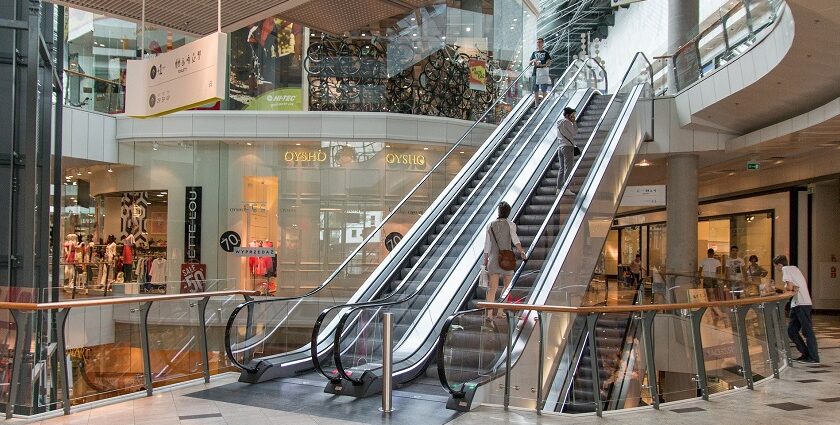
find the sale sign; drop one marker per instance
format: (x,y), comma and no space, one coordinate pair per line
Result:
(193,276)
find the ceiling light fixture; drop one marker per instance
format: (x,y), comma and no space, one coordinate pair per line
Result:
(469,29)
(155,145)
(110,170)
(249,143)
(644,163)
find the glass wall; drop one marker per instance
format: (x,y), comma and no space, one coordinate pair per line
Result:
(305,204)
(758,226)
(449,59)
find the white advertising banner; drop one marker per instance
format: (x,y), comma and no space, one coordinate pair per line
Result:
(643,196)
(184,78)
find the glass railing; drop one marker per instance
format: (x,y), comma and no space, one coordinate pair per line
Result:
(269,327)
(561,249)
(93,93)
(109,346)
(720,340)
(728,33)
(360,330)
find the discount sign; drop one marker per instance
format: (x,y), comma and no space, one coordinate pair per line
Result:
(193,277)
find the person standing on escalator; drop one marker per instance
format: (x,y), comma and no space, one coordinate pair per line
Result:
(501,236)
(541,60)
(567,129)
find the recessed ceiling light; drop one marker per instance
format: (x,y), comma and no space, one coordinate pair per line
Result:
(249,143)
(297,144)
(644,163)
(469,29)
(110,170)
(443,38)
(462,152)
(425,149)
(387,146)
(78,173)
(779,162)
(90,172)
(159,195)
(413,19)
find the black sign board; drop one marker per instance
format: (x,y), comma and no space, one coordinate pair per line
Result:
(230,240)
(192,225)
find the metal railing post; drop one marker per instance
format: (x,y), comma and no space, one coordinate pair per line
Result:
(144,346)
(591,321)
(772,345)
(508,357)
(650,364)
(61,341)
(699,360)
(541,362)
(746,362)
(202,335)
(21,331)
(387,363)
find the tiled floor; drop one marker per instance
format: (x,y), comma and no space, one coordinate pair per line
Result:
(803,395)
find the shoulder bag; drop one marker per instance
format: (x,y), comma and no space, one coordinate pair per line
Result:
(507,260)
(542,76)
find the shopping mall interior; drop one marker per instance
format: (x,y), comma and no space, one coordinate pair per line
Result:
(296,216)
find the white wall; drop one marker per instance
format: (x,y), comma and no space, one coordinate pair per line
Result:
(643,27)
(88,135)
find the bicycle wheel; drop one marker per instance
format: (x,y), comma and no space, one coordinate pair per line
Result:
(317,52)
(349,62)
(313,67)
(348,88)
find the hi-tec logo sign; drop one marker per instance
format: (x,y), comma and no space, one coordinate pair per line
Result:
(192,225)
(305,156)
(287,98)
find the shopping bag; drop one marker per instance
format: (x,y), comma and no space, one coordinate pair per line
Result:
(542,76)
(483,278)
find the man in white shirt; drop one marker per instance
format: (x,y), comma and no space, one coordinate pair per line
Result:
(710,267)
(735,265)
(800,311)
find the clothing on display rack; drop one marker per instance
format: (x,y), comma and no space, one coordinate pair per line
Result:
(128,256)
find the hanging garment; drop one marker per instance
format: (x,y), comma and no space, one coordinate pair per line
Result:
(158,270)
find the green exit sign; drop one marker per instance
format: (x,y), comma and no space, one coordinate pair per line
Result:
(752,165)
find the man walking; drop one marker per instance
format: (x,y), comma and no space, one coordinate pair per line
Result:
(800,311)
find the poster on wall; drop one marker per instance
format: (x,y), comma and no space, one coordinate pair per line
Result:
(265,66)
(478,74)
(193,278)
(192,225)
(183,78)
(133,214)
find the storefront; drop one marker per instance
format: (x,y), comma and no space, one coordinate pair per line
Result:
(296,209)
(758,225)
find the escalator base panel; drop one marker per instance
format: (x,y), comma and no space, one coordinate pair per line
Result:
(371,385)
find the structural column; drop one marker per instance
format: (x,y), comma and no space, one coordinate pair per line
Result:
(683,20)
(681,205)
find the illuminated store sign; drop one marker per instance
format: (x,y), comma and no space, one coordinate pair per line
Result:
(405,159)
(305,156)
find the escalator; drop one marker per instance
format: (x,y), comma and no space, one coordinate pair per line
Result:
(472,357)
(441,280)
(263,336)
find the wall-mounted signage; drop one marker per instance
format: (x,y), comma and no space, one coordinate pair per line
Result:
(230,240)
(305,156)
(183,78)
(258,251)
(643,196)
(405,159)
(192,225)
(478,74)
(392,240)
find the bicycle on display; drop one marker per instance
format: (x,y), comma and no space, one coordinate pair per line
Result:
(332,56)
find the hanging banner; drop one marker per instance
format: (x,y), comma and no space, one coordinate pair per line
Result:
(187,77)
(478,74)
(193,277)
(192,225)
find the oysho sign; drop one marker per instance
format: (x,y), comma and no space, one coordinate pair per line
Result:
(192,225)
(305,156)
(405,159)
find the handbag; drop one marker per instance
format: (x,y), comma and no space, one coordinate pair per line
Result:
(577,150)
(542,76)
(507,260)
(483,278)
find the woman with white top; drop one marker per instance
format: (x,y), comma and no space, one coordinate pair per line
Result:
(501,235)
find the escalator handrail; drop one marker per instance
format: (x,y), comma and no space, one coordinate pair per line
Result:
(549,217)
(316,330)
(353,307)
(372,234)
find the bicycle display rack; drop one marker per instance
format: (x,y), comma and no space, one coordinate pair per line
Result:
(376,75)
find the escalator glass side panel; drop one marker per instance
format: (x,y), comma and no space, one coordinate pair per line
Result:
(269,327)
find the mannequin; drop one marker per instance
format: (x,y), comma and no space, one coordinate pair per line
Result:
(128,255)
(89,248)
(110,257)
(71,247)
